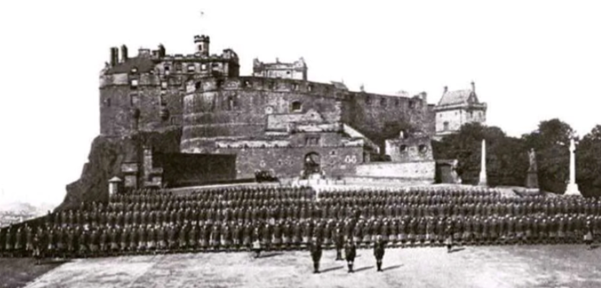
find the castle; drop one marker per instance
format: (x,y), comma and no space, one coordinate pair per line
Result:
(275,120)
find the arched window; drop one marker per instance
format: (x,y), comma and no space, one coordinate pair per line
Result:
(422,148)
(403,148)
(296,106)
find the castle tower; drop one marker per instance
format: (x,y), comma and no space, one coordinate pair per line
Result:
(457,108)
(202,44)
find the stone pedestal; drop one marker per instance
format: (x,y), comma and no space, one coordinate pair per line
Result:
(532,180)
(573,190)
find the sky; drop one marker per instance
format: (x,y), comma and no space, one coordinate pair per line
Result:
(530,60)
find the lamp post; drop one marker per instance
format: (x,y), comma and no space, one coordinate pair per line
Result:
(572,188)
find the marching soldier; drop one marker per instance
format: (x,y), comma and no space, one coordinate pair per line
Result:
(379,249)
(316,252)
(350,252)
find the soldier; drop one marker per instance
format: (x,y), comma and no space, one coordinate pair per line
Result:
(449,237)
(316,252)
(339,243)
(588,237)
(37,247)
(193,237)
(94,241)
(256,246)
(350,252)
(379,249)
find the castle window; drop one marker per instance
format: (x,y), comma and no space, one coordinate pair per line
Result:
(445,125)
(333,153)
(310,88)
(411,104)
(178,67)
(219,83)
(397,102)
(403,148)
(134,70)
(191,68)
(296,106)
(134,84)
(247,83)
(215,65)
(288,72)
(422,148)
(108,102)
(383,102)
(471,114)
(203,67)
(198,85)
(164,85)
(231,103)
(295,87)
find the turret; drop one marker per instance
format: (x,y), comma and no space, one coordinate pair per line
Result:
(162,51)
(114,56)
(202,44)
(124,55)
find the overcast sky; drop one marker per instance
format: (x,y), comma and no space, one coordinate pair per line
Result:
(531,61)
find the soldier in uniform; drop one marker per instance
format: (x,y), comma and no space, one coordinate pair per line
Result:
(339,243)
(379,249)
(449,237)
(316,252)
(350,252)
(588,236)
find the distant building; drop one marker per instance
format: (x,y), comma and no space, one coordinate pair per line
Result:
(296,70)
(457,108)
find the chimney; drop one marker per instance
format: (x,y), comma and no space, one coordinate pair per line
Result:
(162,51)
(446,89)
(473,86)
(114,56)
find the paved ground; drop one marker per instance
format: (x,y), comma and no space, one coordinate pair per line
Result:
(17,272)
(509,266)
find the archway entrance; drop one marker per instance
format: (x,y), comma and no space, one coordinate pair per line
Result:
(312,164)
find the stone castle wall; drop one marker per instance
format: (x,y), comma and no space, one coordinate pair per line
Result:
(288,161)
(422,170)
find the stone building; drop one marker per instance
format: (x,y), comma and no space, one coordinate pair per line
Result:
(275,120)
(295,70)
(457,108)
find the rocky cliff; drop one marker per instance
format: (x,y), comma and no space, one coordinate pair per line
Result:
(105,159)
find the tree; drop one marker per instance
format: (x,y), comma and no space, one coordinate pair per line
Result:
(551,142)
(506,158)
(588,163)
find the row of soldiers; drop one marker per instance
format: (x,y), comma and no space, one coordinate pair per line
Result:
(223,193)
(314,211)
(84,240)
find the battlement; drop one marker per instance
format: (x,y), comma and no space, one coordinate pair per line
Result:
(202,38)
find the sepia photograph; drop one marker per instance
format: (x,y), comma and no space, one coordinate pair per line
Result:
(264,143)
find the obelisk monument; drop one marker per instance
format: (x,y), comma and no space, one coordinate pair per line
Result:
(483,181)
(572,188)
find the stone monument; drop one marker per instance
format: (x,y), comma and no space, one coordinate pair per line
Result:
(114,184)
(532,177)
(483,180)
(572,188)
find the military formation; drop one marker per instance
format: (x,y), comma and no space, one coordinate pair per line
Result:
(295,218)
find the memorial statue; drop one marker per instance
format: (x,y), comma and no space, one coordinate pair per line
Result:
(532,177)
(532,157)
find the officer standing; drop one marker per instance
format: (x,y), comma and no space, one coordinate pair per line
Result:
(316,255)
(350,252)
(379,248)
(339,242)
